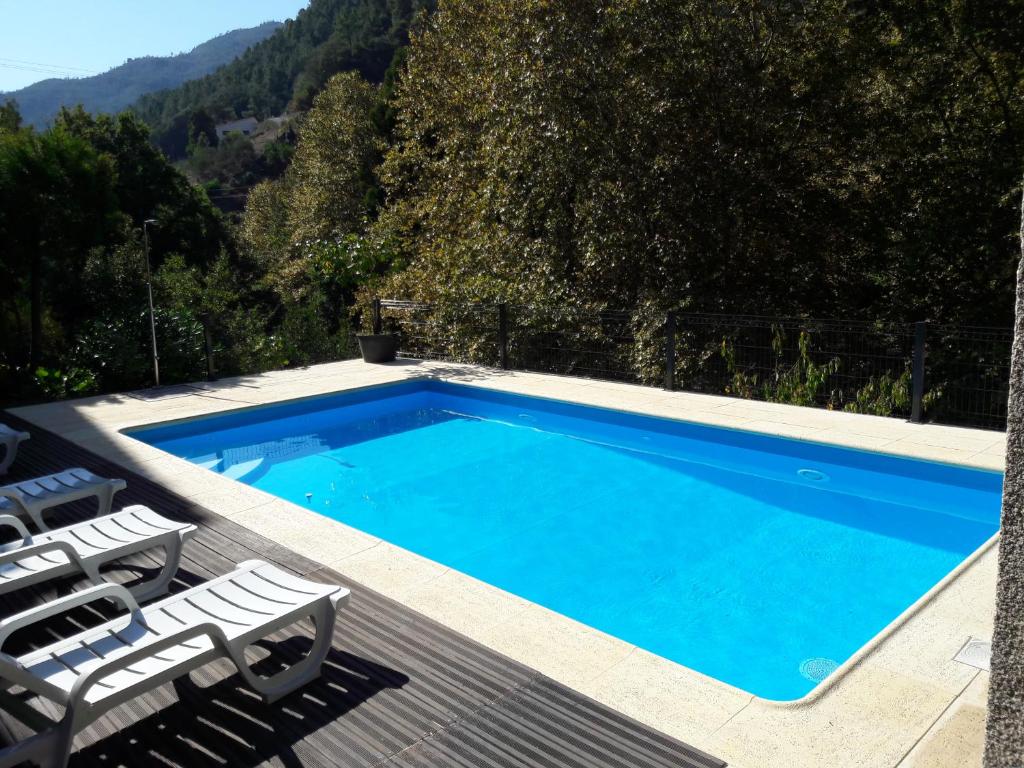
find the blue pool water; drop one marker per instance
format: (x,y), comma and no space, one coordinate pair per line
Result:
(760,561)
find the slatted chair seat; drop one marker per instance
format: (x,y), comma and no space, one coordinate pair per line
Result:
(10,439)
(30,498)
(86,547)
(108,665)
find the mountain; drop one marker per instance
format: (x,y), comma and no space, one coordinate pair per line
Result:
(285,71)
(122,86)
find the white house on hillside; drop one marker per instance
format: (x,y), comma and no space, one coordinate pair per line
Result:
(245,126)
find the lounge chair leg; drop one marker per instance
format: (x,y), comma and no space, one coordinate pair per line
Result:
(36,515)
(105,500)
(64,739)
(92,572)
(277,686)
(9,451)
(148,590)
(49,749)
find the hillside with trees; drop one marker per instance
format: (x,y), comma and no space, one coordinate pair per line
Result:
(285,72)
(120,87)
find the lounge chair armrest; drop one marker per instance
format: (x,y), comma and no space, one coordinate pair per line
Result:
(8,492)
(32,550)
(209,629)
(13,522)
(56,607)
(10,433)
(9,666)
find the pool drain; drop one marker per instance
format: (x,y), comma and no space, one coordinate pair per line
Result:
(812,474)
(818,668)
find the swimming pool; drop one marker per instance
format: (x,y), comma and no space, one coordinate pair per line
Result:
(763,562)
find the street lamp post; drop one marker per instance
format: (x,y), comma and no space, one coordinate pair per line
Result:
(149,289)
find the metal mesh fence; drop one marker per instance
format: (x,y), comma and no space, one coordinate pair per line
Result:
(849,365)
(967,375)
(857,366)
(466,333)
(572,343)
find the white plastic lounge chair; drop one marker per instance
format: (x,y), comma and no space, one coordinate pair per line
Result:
(10,439)
(85,547)
(104,667)
(30,498)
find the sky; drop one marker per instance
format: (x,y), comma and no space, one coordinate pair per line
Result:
(83,37)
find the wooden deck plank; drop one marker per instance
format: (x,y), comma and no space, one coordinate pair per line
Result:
(397,689)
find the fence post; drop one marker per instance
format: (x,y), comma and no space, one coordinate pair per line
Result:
(670,351)
(377,324)
(917,373)
(503,335)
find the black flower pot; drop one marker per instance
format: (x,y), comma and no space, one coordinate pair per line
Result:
(377,347)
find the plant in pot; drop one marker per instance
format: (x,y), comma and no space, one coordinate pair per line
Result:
(345,264)
(377,347)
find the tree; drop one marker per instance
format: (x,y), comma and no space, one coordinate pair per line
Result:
(10,117)
(325,194)
(332,169)
(147,186)
(233,162)
(202,130)
(264,230)
(780,157)
(72,201)
(56,202)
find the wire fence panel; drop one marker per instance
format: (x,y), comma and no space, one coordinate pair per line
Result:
(461,333)
(572,343)
(845,365)
(855,366)
(967,375)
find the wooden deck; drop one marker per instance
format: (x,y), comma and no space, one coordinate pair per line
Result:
(398,689)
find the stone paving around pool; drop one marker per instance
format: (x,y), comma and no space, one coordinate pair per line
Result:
(905,702)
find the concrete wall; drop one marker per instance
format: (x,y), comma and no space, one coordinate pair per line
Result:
(1004,747)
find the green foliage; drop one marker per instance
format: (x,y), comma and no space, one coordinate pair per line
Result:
(305,230)
(264,230)
(10,117)
(277,156)
(229,167)
(332,170)
(147,186)
(73,305)
(233,162)
(385,113)
(825,158)
(351,262)
(803,382)
(117,354)
(306,336)
(788,158)
(57,385)
(742,384)
(800,382)
(202,130)
(883,395)
(57,200)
